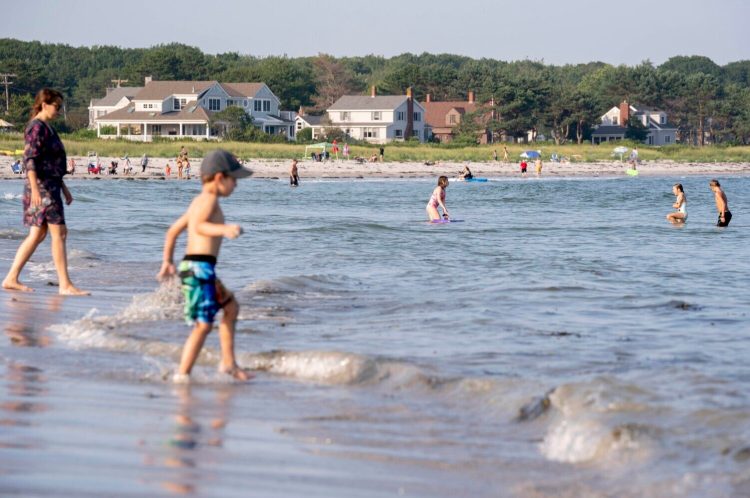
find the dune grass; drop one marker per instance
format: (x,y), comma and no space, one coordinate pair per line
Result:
(394,151)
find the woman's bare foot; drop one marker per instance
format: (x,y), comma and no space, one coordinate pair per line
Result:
(73,291)
(16,285)
(236,372)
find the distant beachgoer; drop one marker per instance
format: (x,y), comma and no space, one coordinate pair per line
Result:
(505,153)
(187,170)
(179,168)
(167,170)
(465,174)
(72,170)
(382,154)
(144,163)
(725,216)
(293,174)
(335,148)
(373,158)
(345,151)
(633,159)
(437,199)
(127,169)
(494,155)
(204,293)
(524,167)
(538,165)
(680,216)
(43,211)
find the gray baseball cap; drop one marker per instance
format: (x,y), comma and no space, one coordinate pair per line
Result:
(221,161)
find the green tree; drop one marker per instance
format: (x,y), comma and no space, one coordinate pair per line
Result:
(636,131)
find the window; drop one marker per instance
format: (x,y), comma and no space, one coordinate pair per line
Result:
(663,119)
(214,104)
(417,116)
(400,115)
(614,120)
(244,102)
(415,133)
(667,139)
(266,106)
(230,102)
(178,104)
(370,132)
(156,129)
(398,133)
(257,106)
(452,119)
(345,116)
(299,125)
(376,116)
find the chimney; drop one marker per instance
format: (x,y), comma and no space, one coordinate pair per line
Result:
(428,98)
(372,91)
(624,113)
(409,114)
(148,79)
(471,97)
(301,111)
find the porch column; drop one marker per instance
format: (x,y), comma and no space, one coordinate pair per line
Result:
(180,129)
(98,129)
(118,130)
(208,131)
(144,133)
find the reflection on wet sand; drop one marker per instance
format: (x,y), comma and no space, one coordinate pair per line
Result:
(27,318)
(25,382)
(192,443)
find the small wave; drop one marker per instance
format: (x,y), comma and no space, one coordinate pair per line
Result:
(306,285)
(12,234)
(8,196)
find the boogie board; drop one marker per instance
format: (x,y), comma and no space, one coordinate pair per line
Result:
(445,221)
(473,179)
(632,172)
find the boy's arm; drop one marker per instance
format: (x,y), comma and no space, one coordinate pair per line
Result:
(167,266)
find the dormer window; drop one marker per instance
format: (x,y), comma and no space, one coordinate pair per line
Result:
(214,104)
(179,103)
(663,119)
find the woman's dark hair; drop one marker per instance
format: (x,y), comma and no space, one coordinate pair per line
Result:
(46,96)
(679,187)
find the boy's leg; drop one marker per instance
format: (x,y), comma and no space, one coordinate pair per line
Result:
(226,339)
(193,346)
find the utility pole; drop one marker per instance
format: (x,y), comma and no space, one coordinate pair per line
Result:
(7,83)
(118,81)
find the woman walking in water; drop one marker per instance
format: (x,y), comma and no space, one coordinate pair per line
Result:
(438,199)
(680,216)
(45,161)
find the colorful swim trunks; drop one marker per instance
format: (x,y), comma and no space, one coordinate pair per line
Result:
(204,294)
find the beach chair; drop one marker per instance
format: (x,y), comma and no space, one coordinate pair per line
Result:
(17,168)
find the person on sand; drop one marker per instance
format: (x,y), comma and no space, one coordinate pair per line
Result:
(725,215)
(524,167)
(204,294)
(505,153)
(680,216)
(335,149)
(494,155)
(633,159)
(167,170)
(72,169)
(293,174)
(187,170)
(179,168)
(437,199)
(45,160)
(144,163)
(382,154)
(345,151)
(465,174)
(538,165)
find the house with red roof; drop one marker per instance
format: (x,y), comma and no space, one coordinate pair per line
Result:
(443,117)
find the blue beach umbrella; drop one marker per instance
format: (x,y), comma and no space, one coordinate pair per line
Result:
(531,154)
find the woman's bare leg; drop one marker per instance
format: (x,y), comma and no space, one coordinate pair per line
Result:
(60,257)
(24,253)
(432,213)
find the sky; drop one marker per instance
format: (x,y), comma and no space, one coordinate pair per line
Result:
(555,32)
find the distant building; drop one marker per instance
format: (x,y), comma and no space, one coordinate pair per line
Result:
(116,98)
(179,109)
(614,125)
(304,120)
(379,118)
(442,118)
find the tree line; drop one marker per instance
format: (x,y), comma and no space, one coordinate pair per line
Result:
(708,103)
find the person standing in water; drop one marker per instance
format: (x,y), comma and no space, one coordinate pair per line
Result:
(45,160)
(437,199)
(725,215)
(293,176)
(680,216)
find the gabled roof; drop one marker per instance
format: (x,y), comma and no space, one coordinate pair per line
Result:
(242,89)
(435,112)
(116,94)
(311,120)
(159,90)
(191,112)
(367,103)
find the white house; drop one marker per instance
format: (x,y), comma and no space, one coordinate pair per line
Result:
(379,118)
(614,125)
(116,98)
(178,109)
(304,120)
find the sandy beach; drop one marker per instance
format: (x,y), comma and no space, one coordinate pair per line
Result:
(351,169)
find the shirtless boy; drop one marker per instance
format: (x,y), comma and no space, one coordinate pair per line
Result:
(204,293)
(725,216)
(293,176)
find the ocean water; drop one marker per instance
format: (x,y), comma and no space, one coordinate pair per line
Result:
(564,340)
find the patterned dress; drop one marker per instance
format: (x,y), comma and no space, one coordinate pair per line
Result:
(44,154)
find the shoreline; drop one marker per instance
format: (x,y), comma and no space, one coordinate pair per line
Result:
(277,169)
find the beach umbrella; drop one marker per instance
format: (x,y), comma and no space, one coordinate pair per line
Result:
(621,150)
(531,154)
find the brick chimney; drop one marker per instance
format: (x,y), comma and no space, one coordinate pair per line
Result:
(471,97)
(148,79)
(409,114)
(301,111)
(624,113)
(372,91)
(428,98)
